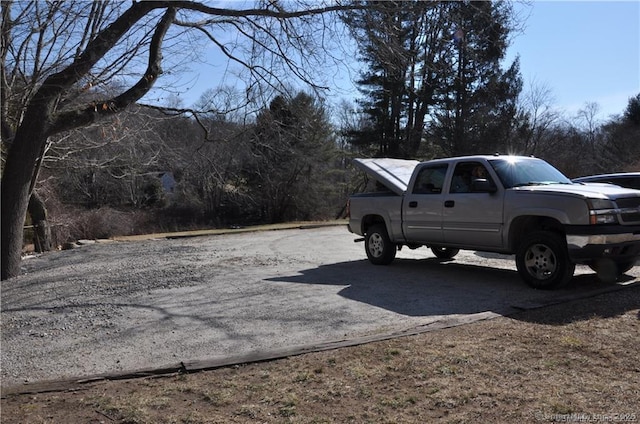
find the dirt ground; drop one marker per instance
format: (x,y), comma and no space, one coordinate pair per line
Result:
(571,362)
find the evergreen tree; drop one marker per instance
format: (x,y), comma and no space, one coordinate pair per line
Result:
(632,113)
(435,65)
(403,48)
(477,107)
(293,152)
(620,150)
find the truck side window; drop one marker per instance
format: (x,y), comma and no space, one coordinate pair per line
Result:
(461,180)
(430,180)
(465,174)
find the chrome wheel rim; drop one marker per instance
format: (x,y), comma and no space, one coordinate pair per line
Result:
(376,245)
(540,261)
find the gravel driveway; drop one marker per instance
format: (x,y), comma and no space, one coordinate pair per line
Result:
(124,306)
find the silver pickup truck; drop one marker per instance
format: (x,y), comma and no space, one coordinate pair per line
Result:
(505,204)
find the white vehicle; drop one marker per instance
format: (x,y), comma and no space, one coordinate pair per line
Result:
(505,204)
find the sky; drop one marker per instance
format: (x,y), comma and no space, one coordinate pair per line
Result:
(581,51)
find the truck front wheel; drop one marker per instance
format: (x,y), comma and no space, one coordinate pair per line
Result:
(379,248)
(543,261)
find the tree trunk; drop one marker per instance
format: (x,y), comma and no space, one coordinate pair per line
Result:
(41,229)
(16,183)
(38,123)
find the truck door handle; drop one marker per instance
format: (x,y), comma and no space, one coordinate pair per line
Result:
(449,204)
(413,204)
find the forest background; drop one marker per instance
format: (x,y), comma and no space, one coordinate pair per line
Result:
(434,83)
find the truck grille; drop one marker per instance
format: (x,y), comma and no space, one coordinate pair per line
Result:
(633,203)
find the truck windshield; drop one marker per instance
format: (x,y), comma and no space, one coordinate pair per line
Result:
(517,172)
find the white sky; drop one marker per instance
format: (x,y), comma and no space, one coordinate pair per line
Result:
(582,51)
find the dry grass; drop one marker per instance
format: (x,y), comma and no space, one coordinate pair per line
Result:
(574,362)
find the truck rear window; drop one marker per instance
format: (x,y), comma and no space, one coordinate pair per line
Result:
(430,179)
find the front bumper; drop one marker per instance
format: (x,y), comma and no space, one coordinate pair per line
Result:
(619,244)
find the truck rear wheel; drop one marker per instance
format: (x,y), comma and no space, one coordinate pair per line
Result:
(379,248)
(543,261)
(444,252)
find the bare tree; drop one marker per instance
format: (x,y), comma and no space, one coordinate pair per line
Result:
(588,121)
(54,52)
(537,117)
(123,152)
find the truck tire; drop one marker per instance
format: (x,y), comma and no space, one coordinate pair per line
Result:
(543,261)
(379,248)
(625,266)
(609,271)
(444,252)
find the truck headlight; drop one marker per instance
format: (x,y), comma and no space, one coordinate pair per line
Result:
(602,211)
(602,217)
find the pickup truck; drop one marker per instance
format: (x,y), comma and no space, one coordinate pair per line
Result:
(504,204)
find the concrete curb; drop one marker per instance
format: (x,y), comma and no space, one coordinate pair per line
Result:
(220,231)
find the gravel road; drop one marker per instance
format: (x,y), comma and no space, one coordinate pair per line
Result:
(113,307)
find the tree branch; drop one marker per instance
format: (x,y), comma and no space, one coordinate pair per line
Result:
(74,119)
(96,49)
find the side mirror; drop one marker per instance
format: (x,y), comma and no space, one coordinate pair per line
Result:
(482,185)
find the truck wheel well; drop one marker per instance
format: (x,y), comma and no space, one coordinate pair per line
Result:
(370,220)
(523,225)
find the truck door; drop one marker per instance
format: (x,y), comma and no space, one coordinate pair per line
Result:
(422,207)
(472,216)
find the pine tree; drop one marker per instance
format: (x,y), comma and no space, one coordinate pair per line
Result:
(403,48)
(478,104)
(293,150)
(434,65)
